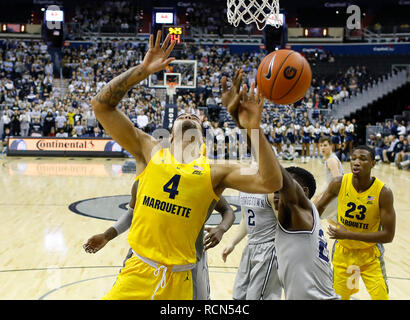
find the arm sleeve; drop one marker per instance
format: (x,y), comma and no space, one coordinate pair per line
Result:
(124,222)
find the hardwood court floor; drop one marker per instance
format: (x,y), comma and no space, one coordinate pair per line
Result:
(41,254)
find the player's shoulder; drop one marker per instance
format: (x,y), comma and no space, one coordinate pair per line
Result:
(386,191)
(332,161)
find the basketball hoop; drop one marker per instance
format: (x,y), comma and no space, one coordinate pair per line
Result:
(261,12)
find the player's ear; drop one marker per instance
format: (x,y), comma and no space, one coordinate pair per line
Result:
(306,191)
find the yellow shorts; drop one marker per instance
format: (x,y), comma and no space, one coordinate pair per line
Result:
(351,264)
(137,281)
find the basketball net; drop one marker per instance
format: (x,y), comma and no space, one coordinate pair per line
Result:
(261,12)
(171,91)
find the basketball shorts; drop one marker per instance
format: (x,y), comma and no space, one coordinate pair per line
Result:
(200,278)
(257,277)
(138,280)
(350,264)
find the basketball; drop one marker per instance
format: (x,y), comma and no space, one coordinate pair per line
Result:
(284,76)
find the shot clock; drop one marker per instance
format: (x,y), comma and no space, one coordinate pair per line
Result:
(176,33)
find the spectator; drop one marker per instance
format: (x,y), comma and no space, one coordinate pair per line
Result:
(15,124)
(61,133)
(49,122)
(142,120)
(25,120)
(389,153)
(79,128)
(6,119)
(61,120)
(401,128)
(403,157)
(36,128)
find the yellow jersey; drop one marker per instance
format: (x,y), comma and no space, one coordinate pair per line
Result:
(70,117)
(172,203)
(358,212)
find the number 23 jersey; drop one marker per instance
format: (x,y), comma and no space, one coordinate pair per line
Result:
(172,203)
(358,212)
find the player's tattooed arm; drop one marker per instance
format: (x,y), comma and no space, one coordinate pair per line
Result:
(112,93)
(156,59)
(114,121)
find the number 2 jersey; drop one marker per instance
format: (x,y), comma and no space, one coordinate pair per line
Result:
(304,267)
(358,212)
(172,203)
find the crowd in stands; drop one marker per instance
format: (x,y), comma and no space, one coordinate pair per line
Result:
(33,106)
(391,143)
(105,16)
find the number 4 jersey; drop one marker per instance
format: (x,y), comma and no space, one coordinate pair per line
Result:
(358,212)
(172,203)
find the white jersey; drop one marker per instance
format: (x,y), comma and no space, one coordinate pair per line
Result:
(329,176)
(257,276)
(259,216)
(304,266)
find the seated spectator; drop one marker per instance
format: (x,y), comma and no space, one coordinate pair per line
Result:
(79,128)
(73,133)
(61,133)
(36,129)
(403,157)
(389,153)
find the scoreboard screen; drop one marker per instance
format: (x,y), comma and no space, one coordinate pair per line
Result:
(176,33)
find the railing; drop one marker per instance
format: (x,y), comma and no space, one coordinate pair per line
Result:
(395,36)
(369,94)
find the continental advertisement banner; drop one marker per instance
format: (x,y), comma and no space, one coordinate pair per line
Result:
(64,147)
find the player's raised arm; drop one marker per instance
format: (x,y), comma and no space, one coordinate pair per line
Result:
(331,193)
(246,109)
(115,122)
(291,192)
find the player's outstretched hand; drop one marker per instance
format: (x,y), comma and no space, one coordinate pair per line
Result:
(157,57)
(95,243)
(250,107)
(231,97)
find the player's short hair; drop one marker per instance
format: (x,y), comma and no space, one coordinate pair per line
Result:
(324,139)
(304,178)
(367,148)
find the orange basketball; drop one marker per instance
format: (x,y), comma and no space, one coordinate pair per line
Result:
(284,76)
